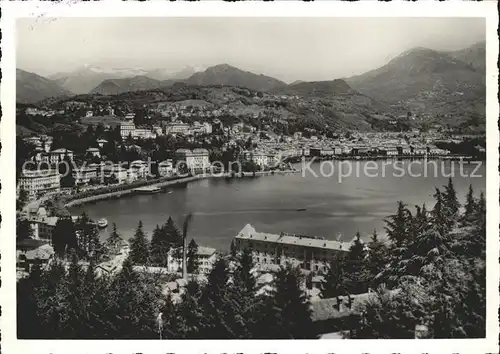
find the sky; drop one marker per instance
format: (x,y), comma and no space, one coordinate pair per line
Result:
(288,49)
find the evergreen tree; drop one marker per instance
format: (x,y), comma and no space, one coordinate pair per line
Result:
(66,171)
(451,201)
(287,313)
(160,246)
(440,214)
(223,319)
(377,256)
(388,315)
(114,239)
(192,257)
(74,307)
(356,273)
(398,225)
(232,249)
(134,301)
(333,285)
(420,221)
(470,206)
(22,199)
(172,233)
(89,245)
(189,314)
(245,286)
(243,276)
(139,248)
(64,236)
(480,214)
(23,229)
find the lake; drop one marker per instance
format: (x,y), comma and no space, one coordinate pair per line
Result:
(334,206)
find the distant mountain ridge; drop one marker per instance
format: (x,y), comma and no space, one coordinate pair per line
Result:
(31,88)
(474,55)
(429,81)
(88,77)
(136,83)
(225,74)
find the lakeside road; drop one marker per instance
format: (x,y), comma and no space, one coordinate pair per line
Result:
(162,184)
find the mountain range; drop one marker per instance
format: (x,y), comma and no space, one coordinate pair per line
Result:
(31,87)
(88,77)
(431,81)
(418,80)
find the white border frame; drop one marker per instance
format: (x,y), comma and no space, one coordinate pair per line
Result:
(13,10)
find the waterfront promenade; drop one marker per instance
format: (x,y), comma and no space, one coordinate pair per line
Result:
(129,190)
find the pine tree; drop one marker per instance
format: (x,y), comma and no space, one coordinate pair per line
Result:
(62,235)
(451,201)
(172,233)
(398,225)
(23,229)
(189,314)
(333,285)
(377,256)
(114,240)
(245,286)
(192,257)
(89,245)
(160,246)
(440,214)
(480,214)
(288,315)
(232,249)
(74,306)
(139,248)
(223,319)
(134,301)
(470,205)
(356,272)
(243,276)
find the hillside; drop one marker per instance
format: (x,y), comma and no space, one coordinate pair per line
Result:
(316,88)
(137,83)
(225,74)
(32,88)
(85,78)
(427,81)
(474,55)
(345,111)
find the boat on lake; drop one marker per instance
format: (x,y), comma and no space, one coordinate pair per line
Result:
(102,223)
(301,209)
(147,190)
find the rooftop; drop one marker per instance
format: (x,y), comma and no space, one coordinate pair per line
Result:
(249,233)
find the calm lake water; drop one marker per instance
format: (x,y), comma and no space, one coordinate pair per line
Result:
(222,207)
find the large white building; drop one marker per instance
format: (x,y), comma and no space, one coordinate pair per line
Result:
(178,128)
(206,260)
(58,155)
(40,182)
(85,173)
(309,253)
(197,160)
(129,129)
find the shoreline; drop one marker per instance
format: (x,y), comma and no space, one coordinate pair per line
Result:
(171,182)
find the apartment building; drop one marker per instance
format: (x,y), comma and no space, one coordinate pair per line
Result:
(197,160)
(84,174)
(314,254)
(206,260)
(55,156)
(40,182)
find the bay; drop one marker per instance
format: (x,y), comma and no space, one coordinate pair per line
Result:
(306,203)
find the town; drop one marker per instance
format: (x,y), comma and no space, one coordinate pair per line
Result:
(171,182)
(254,148)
